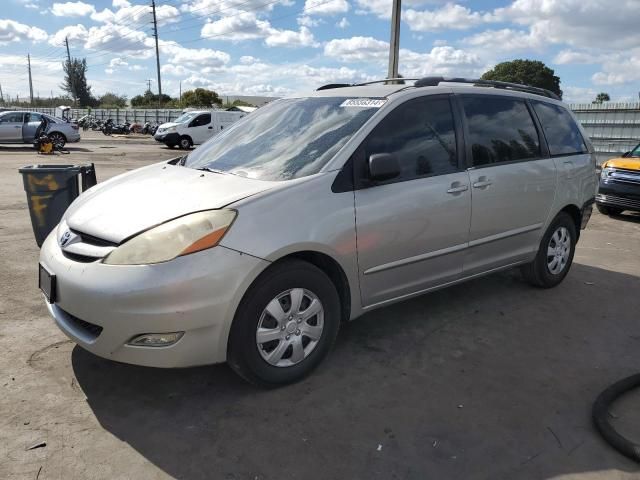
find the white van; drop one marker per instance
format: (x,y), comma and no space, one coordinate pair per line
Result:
(195,127)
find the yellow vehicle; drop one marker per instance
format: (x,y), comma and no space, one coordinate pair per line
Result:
(619,187)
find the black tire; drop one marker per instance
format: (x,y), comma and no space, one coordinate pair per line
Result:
(58,139)
(537,273)
(242,353)
(170,145)
(608,210)
(185,143)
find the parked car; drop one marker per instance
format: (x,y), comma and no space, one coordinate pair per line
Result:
(195,127)
(20,127)
(619,187)
(313,210)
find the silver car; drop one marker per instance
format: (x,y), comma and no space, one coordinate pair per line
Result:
(313,210)
(20,127)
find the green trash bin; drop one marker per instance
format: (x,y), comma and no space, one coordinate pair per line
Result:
(50,190)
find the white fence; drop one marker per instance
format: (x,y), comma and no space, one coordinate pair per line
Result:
(120,115)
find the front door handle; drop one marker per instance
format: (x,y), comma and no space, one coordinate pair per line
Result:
(483,182)
(456,187)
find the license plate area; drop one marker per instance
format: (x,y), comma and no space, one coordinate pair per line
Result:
(47,283)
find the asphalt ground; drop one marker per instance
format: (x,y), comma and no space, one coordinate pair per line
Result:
(491,379)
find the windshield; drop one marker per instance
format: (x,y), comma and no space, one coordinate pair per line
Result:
(635,152)
(185,117)
(286,139)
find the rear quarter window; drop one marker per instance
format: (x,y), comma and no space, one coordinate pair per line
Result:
(560,129)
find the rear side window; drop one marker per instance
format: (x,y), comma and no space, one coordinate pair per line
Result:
(500,130)
(560,130)
(33,117)
(421,134)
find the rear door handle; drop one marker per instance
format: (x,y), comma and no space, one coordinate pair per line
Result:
(457,188)
(482,182)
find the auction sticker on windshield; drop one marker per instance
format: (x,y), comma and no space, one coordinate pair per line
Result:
(363,102)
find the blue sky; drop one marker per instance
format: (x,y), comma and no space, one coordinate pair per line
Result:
(277,47)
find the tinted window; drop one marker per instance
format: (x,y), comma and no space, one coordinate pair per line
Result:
(421,135)
(288,138)
(33,117)
(200,120)
(500,130)
(560,129)
(13,117)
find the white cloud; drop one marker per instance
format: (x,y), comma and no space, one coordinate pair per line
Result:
(248,60)
(325,7)
(72,9)
(619,69)
(310,22)
(574,57)
(11,31)
(120,3)
(343,23)
(247,26)
(571,94)
(449,17)
(492,42)
(130,14)
(444,60)
(77,35)
(229,7)
(382,8)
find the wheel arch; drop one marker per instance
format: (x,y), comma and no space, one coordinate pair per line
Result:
(576,214)
(59,133)
(332,269)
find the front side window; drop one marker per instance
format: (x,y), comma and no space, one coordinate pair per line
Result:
(13,117)
(500,130)
(560,130)
(421,135)
(200,120)
(289,138)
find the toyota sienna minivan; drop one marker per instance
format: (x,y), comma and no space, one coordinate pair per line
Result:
(312,211)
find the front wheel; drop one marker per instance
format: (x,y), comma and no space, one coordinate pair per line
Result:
(285,325)
(555,255)
(185,143)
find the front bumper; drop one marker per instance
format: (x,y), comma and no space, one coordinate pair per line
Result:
(167,138)
(102,307)
(619,195)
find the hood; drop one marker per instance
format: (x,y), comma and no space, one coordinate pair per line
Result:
(130,203)
(628,163)
(168,125)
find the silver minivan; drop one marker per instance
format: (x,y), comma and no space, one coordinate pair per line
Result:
(313,210)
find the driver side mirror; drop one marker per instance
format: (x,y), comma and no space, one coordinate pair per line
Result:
(626,154)
(383,166)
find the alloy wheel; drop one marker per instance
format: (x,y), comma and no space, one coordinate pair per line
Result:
(558,250)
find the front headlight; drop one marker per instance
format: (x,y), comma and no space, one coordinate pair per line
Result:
(181,236)
(171,129)
(604,173)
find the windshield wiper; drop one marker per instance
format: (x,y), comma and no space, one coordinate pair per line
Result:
(213,170)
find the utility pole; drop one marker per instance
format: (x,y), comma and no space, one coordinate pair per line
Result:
(155,34)
(394,44)
(180,97)
(148,84)
(1,95)
(30,82)
(73,89)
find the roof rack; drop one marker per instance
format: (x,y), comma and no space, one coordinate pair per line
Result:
(435,81)
(399,81)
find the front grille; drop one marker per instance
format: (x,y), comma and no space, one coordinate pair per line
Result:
(91,240)
(622,175)
(617,201)
(89,328)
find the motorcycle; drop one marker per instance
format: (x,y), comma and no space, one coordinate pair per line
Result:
(149,128)
(110,128)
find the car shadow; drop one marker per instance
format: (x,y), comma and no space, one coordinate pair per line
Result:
(627,216)
(489,379)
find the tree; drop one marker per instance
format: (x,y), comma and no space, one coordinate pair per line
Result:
(602,97)
(526,72)
(75,82)
(150,100)
(112,100)
(200,97)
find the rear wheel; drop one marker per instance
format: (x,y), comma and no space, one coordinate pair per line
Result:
(185,143)
(608,210)
(555,255)
(285,325)
(57,139)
